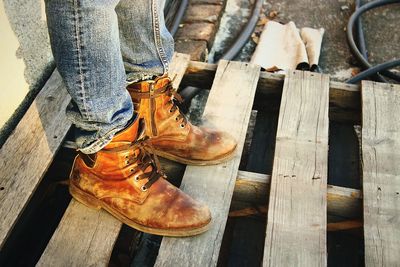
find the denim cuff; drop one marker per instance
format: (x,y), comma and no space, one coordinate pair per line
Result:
(100,143)
(137,77)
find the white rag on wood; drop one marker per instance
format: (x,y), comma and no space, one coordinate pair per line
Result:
(284,47)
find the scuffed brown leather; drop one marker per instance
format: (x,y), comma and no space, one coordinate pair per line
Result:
(174,135)
(112,180)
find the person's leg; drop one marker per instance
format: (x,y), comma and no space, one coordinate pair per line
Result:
(147,49)
(121,176)
(85,43)
(146,45)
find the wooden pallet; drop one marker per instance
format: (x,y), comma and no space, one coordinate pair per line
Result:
(298,194)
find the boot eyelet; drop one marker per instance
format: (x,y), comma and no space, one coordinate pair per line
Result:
(127,162)
(182,126)
(176,119)
(131,170)
(136,178)
(170,111)
(143,188)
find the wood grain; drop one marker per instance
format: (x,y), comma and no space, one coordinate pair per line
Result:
(296,223)
(85,237)
(381,172)
(344,99)
(176,71)
(29,150)
(341,201)
(228,107)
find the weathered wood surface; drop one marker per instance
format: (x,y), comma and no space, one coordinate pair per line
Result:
(176,71)
(84,237)
(254,187)
(228,107)
(74,242)
(296,223)
(344,98)
(29,150)
(381,172)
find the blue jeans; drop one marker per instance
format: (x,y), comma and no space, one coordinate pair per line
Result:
(99,45)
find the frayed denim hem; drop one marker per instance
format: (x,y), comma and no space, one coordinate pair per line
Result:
(100,142)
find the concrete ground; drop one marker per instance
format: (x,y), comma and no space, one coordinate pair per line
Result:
(380,27)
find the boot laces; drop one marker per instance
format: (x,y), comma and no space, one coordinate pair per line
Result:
(176,99)
(146,158)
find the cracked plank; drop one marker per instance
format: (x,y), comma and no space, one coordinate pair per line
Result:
(381,172)
(296,223)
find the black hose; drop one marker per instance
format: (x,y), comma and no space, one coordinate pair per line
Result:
(382,68)
(178,17)
(360,33)
(373,70)
(361,42)
(245,34)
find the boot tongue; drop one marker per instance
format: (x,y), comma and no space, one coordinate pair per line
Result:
(125,136)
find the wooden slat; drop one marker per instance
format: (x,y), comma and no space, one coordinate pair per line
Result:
(178,67)
(381,172)
(296,222)
(29,150)
(74,241)
(82,238)
(228,107)
(344,98)
(253,187)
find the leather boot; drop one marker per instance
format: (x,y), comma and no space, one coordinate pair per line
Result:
(171,134)
(125,180)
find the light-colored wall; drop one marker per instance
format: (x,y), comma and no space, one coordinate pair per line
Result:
(25,54)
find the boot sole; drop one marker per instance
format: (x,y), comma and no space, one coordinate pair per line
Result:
(195,162)
(94,203)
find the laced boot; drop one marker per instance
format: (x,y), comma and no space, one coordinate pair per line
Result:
(171,134)
(125,179)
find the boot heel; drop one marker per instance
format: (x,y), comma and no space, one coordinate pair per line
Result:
(84,198)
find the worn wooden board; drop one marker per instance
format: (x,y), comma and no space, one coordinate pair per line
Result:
(296,223)
(91,227)
(228,107)
(82,238)
(253,187)
(29,150)
(176,71)
(381,172)
(344,98)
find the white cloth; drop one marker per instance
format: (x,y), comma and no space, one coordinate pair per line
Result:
(283,47)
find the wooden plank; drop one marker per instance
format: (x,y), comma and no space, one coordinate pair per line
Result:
(88,226)
(228,107)
(176,71)
(29,150)
(344,98)
(81,238)
(381,172)
(253,187)
(296,222)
